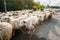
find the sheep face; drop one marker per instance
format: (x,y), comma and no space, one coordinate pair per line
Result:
(22,23)
(5,19)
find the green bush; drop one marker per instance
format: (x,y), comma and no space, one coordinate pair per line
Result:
(42,7)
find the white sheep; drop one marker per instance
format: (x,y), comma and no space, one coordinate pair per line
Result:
(10,20)
(32,22)
(13,21)
(41,17)
(4,19)
(6,30)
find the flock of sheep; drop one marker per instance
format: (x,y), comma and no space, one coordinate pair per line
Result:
(25,20)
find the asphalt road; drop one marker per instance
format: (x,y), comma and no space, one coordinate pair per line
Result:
(49,30)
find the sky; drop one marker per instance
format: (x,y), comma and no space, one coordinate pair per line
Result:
(49,2)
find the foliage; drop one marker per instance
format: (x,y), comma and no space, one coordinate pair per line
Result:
(42,7)
(19,5)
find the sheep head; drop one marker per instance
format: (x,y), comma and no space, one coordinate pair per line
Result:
(6,19)
(22,23)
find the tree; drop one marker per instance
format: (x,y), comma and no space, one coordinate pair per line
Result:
(5,6)
(42,7)
(17,5)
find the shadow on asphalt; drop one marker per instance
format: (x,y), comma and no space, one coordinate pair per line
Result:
(19,36)
(48,27)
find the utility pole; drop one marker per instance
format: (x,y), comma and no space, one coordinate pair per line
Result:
(5,6)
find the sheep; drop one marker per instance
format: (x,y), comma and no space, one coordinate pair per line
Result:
(6,31)
(41,16)
(4,19)
(16,22)
(13,21)
(15,14)
(26,20)
(32,22)
(21,21)
(8,14)
(48,15)
(3,14)
(10,20)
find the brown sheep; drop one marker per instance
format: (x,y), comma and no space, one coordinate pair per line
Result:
(48,15)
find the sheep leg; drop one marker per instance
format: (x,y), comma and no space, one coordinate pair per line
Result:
(41,22)
(13,33)
(35,26)
(30,33)
(21,30)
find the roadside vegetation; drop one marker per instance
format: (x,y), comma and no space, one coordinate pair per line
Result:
(20,5)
